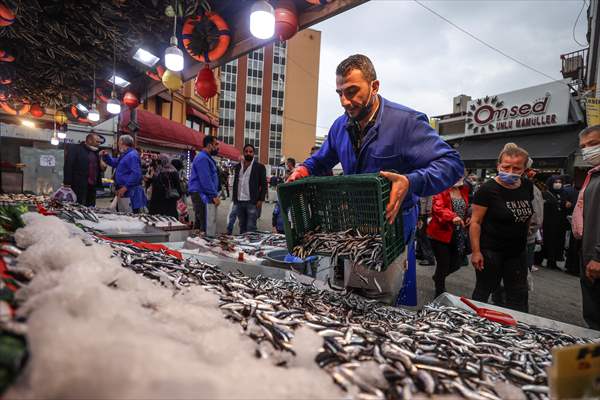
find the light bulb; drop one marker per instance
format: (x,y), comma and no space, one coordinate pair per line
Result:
(113,106)
(61,135)
(93,115)
(174,56)
(28,123)
(54,141)
(262,20)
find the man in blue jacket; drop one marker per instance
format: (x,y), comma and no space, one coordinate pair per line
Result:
(376,135)
(128,173)
(204,183)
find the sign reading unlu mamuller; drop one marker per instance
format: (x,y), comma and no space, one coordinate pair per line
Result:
(534,107)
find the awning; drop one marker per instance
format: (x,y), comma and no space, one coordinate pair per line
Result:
(547,149)
(156,130)
(206,118)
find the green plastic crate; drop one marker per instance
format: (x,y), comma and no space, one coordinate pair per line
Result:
(339,203)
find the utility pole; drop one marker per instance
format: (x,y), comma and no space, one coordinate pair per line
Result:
(593,72)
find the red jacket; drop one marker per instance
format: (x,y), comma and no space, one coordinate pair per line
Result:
(441,227)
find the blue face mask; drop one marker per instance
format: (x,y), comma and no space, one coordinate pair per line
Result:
(508,178)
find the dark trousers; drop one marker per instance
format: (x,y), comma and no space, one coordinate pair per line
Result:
(447,261)
(508,268)
(86,194)
(247,214)
(199,212)
(424,246)
(573,264)
(590,296)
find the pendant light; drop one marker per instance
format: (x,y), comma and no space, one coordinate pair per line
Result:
(54,138)
(262,20)
(113,105)
(94,115)
(173,54)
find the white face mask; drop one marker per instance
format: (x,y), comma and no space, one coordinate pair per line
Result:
(557,186)
(591,155)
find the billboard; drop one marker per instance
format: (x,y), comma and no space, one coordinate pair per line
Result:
(534,107)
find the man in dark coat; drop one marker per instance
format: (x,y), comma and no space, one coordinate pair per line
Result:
(249,189)
(82,169)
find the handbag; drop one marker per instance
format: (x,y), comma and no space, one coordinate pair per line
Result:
(171,193)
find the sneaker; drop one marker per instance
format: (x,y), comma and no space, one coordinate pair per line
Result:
(534,268)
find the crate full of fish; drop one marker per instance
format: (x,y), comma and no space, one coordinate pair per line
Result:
(343,217)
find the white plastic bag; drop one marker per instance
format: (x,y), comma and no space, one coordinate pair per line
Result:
(113,204)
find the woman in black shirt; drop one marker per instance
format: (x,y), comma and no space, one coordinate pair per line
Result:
(166,188)
(502,208)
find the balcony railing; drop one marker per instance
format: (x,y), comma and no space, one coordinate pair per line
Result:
(574,65)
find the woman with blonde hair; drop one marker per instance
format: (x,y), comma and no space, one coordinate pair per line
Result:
(502,209)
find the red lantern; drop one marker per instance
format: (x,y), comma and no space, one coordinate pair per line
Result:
(286,20)
(206,85)
(37,111)
(7,17)
(131,100)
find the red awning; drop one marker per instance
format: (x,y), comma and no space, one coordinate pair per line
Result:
(206,118)
(159,131)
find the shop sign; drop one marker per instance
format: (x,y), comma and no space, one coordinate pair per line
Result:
(47,160)
(592,111)
(534,107)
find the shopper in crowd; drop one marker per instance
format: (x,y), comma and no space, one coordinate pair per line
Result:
(555,222)
(290,164)
(128,173)
(375,134)
(447,232)
(586,226)
(423,250)
(182,208)
(537,218)
(249,189)
(166,188)
(83,170)
(224,177)
(502,209)
(204,187)
(573,258)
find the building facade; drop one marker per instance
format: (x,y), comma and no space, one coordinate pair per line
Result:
(269,99)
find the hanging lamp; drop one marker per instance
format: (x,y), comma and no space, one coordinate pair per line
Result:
(113,105)
(262,20)
(94,115)
(173,54)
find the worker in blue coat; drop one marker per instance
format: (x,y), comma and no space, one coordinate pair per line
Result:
(204,186)
(128,173)
(377,135)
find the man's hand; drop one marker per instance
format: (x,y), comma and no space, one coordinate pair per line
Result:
(216,201)
(103,153)
(458,221)
(592,270)
(298,173)
(477,261)
(400,185)
(258,205)
(121,191)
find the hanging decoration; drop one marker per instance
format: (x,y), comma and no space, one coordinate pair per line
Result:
(206,37)
(74,114)
(205,85)
(37,111)
(131,100)
(7,16)
(172,80)
(156,73)
(60,118)
(16,109)
(286,20)
(5,56)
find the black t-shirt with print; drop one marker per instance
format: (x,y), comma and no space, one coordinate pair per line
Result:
(506,221)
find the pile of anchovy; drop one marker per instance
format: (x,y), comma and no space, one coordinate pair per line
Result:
(21,198)
(366,250)
(371,350)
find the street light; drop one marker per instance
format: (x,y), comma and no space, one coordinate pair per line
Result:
(262,20)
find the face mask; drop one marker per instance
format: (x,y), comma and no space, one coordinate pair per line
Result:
(508,178)
(591,155)
(214,152)
(248,157)
(557,186)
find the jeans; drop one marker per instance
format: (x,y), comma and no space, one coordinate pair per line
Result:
(232,217)
(247,213)
(199,212)
(508,268)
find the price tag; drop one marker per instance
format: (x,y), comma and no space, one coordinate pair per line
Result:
(575,372)
(47,160)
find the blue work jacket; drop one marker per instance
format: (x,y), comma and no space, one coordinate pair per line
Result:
(204,177)
(128,173)
(400,140)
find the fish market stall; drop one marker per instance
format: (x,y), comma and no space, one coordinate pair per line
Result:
(292,334)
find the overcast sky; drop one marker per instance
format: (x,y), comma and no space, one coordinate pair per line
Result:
(423,62)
